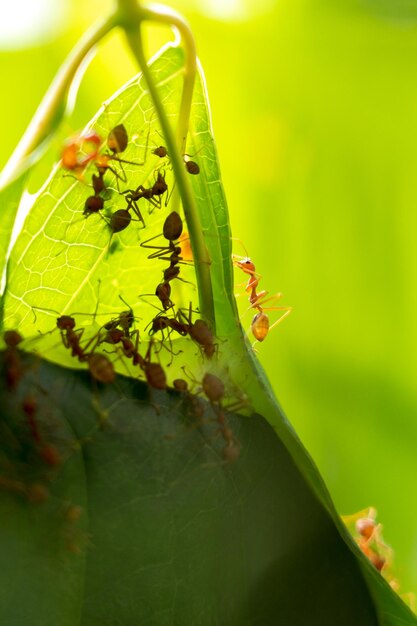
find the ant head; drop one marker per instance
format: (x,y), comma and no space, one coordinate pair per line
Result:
(65,322)
(93,204)
(365,526)
(245,264)
(180,384)
(89,136)
(127,317)
(69,157)
(102,162)
(12,338)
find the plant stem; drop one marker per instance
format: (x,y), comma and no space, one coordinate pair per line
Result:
(132,21)
(54,104)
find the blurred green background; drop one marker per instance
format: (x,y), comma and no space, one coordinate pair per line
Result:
(314,108)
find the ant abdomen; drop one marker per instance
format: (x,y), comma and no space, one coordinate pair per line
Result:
(120,220)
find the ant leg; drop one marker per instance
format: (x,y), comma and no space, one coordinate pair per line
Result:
(97,338)
(143,243)
(117,174)
(161,251)
(287,310)
(135,208)
(262,299)
(168,196)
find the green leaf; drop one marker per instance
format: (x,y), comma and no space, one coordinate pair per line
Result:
(10,197)
(169,533)
(176,531)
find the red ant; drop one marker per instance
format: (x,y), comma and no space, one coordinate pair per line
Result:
(125,320)
(161,322)
(154,372)
(120,219)
(172,230)
(191,166)
(260,322)
(214,391)
(193,408)
(370,541)
(152,194)
(101,369)
(95,203)
(74,157)
(163,292)
(47,452)
(80,150)
(12,358)
(199,332)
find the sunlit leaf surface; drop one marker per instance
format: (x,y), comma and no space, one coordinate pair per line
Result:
(65,263)
(9,200)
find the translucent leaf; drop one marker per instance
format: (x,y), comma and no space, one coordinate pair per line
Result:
(268,520)
(9,198)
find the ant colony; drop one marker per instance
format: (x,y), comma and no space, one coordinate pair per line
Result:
(122,211)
